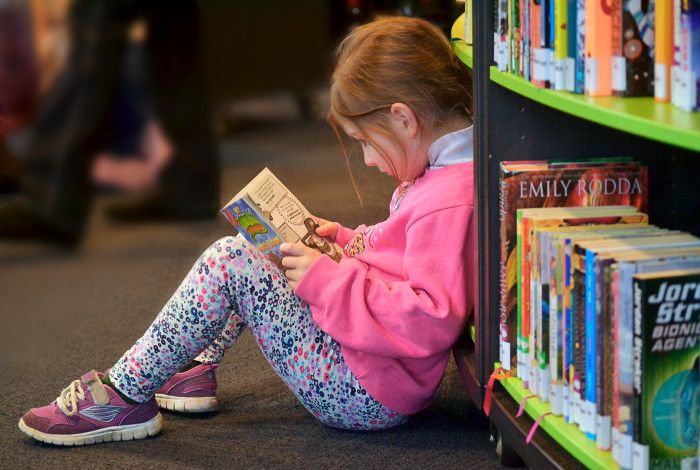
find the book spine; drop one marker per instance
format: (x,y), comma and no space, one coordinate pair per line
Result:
(580,65)
(591,380)
(618,65)
(569,335)
(537,58)
(504,339)
(561,44)
(677,41)
(555,328)
(598,49)
(690,57)
(468,12)
(521,45)
(616,367)
(545,315)
(607,364)
(663,58)
(625,366)
(640,452)
(579,320)
(525,25)
(524,274)
(602,421)
(638,25)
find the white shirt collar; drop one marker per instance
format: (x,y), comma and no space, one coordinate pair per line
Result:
(453,148)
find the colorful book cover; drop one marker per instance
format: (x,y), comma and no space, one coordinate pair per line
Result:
(663,57)
(666,369)
(623,388)
(542,184)
(607,332)
(637,69)
(604,330)
(598,48)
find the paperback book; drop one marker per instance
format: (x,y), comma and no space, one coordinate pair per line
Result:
(266,213)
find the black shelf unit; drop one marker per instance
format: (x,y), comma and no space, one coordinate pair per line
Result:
(510,126)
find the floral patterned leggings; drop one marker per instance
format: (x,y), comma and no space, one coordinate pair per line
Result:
(233,286)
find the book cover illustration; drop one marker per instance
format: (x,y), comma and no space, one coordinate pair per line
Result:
(543,184)
(666,369)
(267,214)
(638,48)
(624,416)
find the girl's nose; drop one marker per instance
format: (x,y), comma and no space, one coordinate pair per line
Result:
(368,160)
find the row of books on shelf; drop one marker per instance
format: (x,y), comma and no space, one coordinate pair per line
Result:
(616,48)
(600,311)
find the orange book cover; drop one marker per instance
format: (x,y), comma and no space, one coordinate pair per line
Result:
(663,58)
(598,48)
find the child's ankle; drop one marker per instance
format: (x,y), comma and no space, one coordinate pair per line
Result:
(107,381)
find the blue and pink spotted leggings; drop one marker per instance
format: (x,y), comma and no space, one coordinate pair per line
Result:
(233,286)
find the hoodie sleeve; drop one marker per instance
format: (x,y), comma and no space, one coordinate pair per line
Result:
(418,316)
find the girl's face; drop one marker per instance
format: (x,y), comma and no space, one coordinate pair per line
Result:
(403,152)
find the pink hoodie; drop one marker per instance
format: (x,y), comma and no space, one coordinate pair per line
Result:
(401,296)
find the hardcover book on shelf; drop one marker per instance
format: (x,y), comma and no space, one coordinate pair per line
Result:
(633,69)
(561,286)
(585,253)
(666,369)
(580,73)
(689,69)
(663,49)
(550,184)
(532,293)
(605,326)
(563,66)
(598,48)
(623,375)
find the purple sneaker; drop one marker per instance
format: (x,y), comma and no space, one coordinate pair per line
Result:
(88,412)
(191,391)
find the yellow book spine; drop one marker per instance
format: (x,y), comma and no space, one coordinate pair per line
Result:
(663,39)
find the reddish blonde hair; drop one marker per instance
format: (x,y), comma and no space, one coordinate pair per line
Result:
(398,60)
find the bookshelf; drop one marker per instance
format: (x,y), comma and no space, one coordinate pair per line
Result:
(517,121)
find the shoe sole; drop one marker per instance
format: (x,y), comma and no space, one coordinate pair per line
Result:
(127,432)
(187,404)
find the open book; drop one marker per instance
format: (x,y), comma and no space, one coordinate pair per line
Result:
(267,214)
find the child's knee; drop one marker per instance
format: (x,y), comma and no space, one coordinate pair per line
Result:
(229,243)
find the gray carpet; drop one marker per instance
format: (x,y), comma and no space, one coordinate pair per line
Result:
(65,314)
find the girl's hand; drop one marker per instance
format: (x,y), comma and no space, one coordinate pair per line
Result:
(327,229)
(297,260)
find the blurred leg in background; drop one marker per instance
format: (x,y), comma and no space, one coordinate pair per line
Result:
(78,110)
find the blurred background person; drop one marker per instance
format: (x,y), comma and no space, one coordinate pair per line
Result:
(79,112)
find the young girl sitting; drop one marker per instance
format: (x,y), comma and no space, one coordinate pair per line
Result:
(362,343)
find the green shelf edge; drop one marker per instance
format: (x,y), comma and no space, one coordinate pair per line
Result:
(462,49)
(566,434)
(645,117)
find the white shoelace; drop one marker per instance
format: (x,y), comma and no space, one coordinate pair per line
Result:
(68,399)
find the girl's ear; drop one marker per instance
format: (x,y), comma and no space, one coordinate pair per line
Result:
(405,119)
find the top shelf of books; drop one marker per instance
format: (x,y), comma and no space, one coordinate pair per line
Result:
(462,49)
(640,116)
